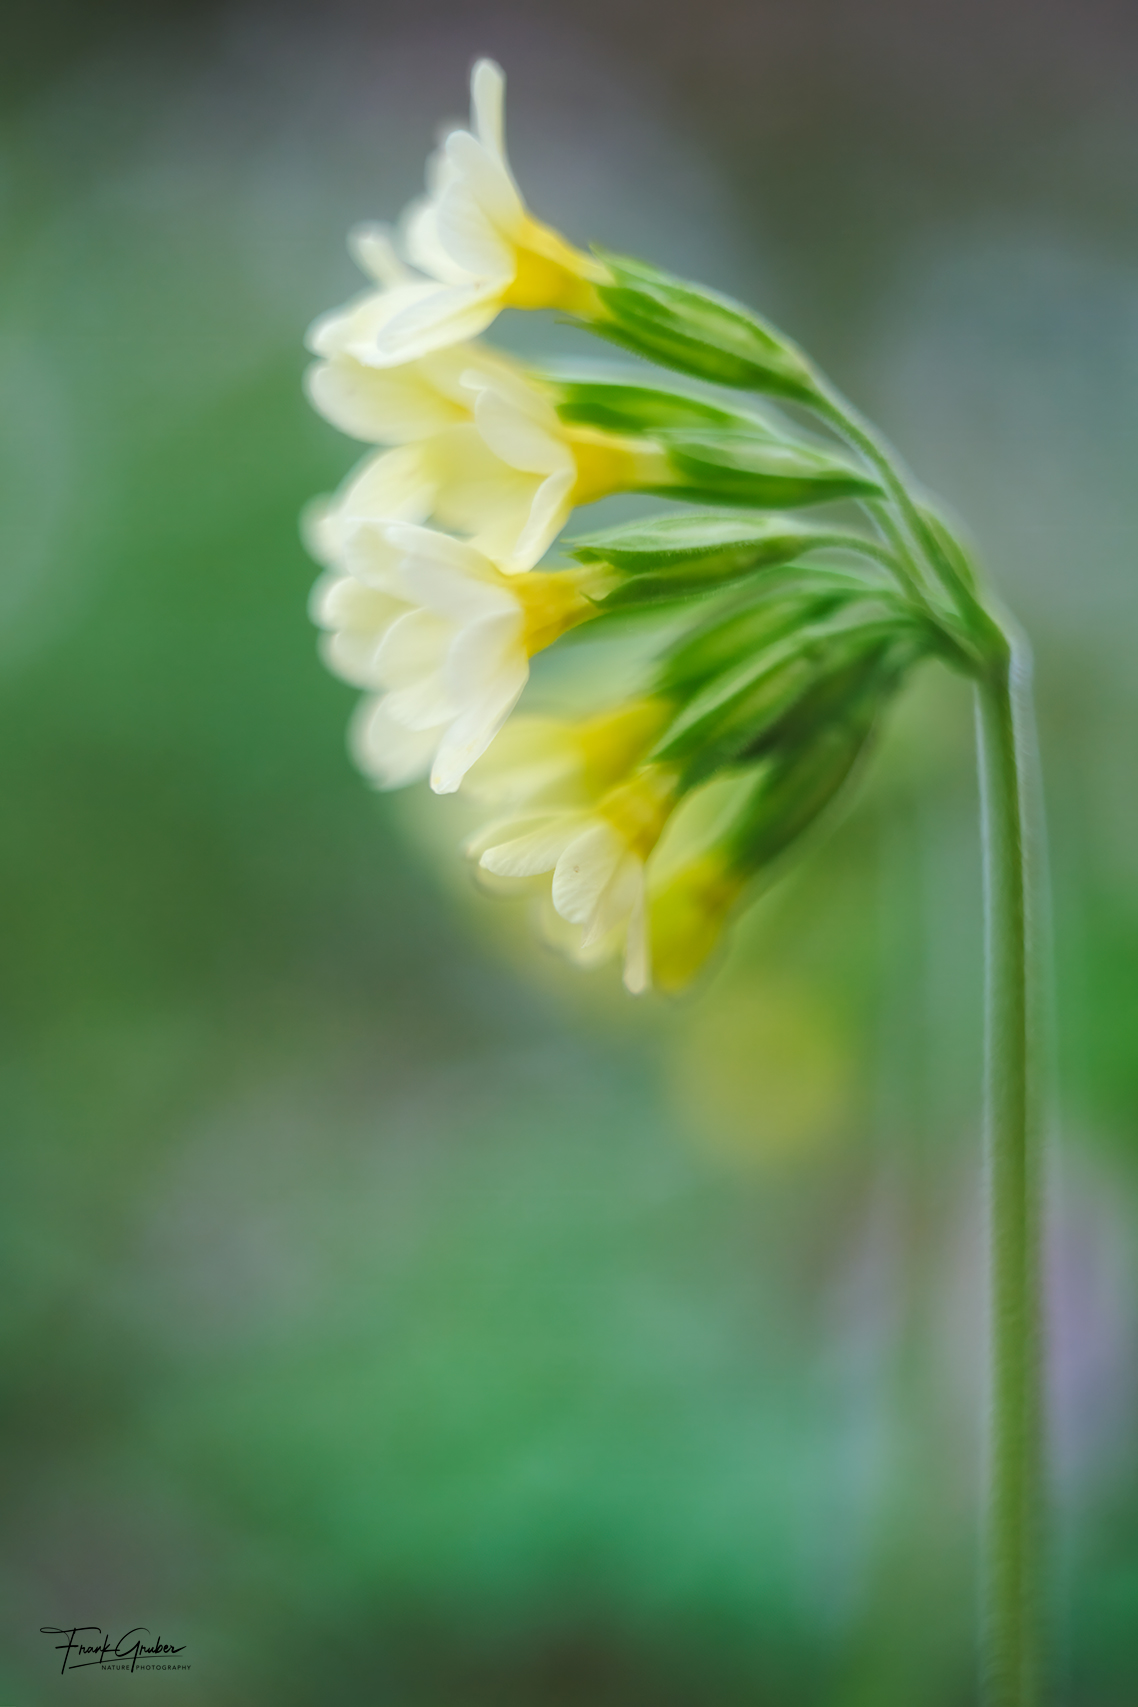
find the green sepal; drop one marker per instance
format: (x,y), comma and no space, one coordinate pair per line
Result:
(803,775)
(793,793)
(954,553)
(618,407)
(735,635)
(781,701)
(682,556)
(697,331)
(716,726)
(760,474)
(693,538)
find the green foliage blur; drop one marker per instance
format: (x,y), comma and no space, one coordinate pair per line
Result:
(392,1314)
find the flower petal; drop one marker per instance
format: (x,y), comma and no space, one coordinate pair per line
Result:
(414,646)
(480,173)
(341,602)
(450,314)
(637,949)
(372,248)
(457,597)
(353,330)
(549,511)
(523,432)
(472,732)
(396,485)
(365,551)
(584,870)
(621,894)
(420,232)
(388,406)
(537,851)
(387,751)
(485,673)
(487,104)
(466,228)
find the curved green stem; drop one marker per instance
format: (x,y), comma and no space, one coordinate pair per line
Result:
(1014,1456)
(1014,1493)
(873,549)
(846,420)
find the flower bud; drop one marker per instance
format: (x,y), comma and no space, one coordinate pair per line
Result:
(679,556)
(697,331)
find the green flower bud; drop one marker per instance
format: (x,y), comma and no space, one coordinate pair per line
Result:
(617,406)
(682,556)
(760,473)
(697,331)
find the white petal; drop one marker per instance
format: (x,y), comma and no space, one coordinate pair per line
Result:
(451,314)
(422,705)
(485,653)
(508,829)
(475,728)
(367,554)
(414,647)
(342,602)
(485,672)
(479,494)
(421,239)
(584,869)
(397,485)
(487,104)
(354,329)
(468,231)
(616,901)
(374,252)
(549,511)
(351,657)
(458,371)
(387,751)
(358,618)
(320,530)
(537,851)
(522,431)
(637,949)
(388,406)
(487,180)
(459,598)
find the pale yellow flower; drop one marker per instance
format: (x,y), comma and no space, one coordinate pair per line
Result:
(383,404)
(441,638)
(477,245)
(479,448)
(594,816)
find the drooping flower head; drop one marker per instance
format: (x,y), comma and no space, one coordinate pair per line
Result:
(772,641)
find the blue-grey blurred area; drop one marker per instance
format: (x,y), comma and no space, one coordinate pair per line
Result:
(393,1315)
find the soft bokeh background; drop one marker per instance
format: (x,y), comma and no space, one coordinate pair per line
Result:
(391,1314)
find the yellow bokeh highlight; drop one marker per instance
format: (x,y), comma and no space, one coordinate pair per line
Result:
(765,1073)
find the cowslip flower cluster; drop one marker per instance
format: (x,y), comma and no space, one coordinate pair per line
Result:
(778,639)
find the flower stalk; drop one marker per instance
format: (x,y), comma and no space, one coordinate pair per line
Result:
(1013,1518)
(1013,1522)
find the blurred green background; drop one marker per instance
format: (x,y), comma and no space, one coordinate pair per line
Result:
(390,1313)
